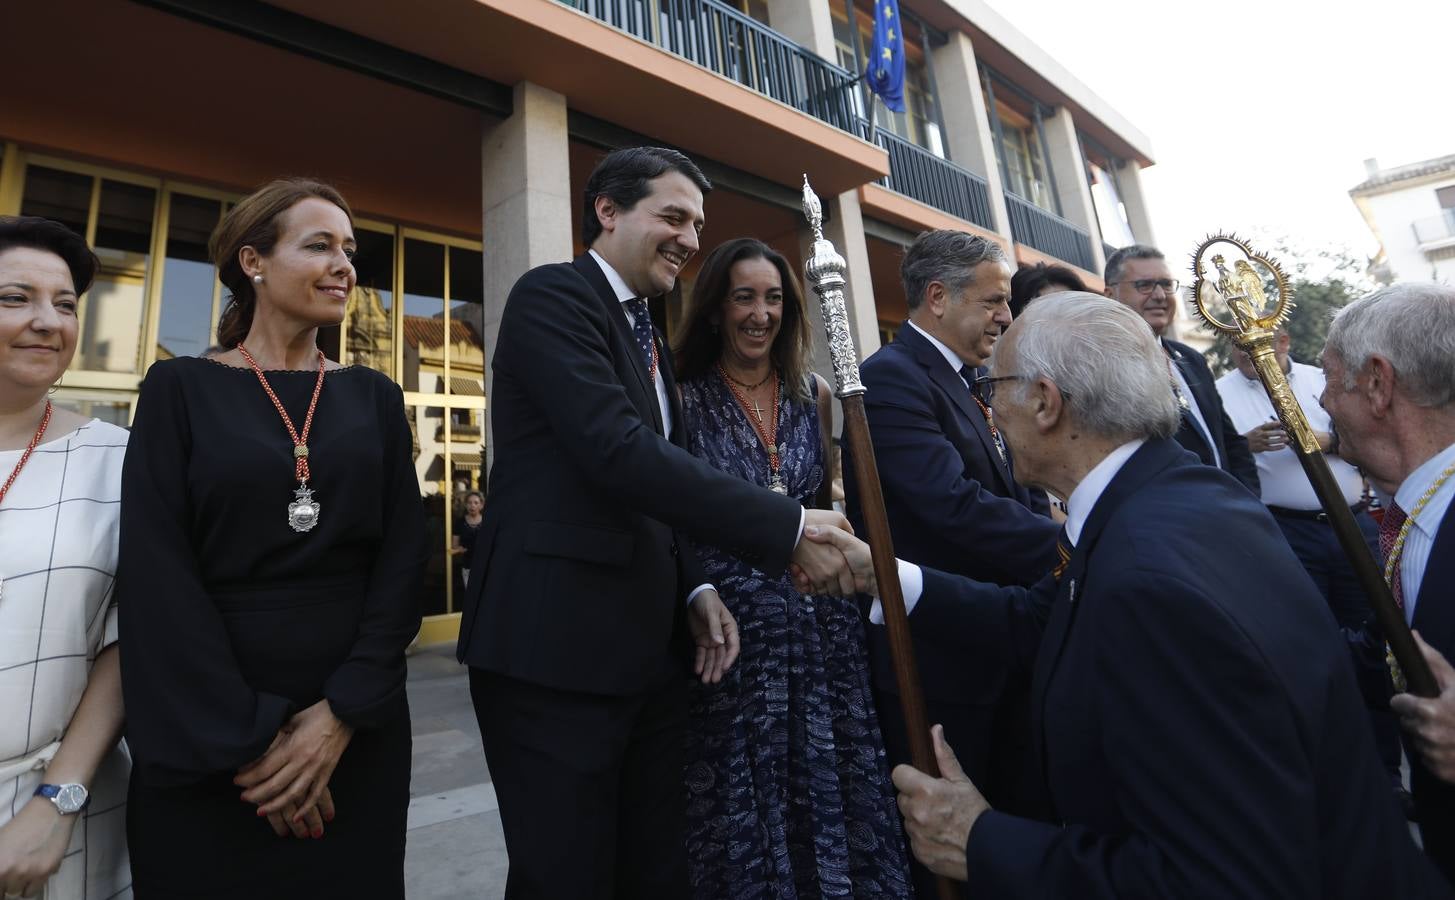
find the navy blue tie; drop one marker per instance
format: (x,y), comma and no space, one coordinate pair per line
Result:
(642,331)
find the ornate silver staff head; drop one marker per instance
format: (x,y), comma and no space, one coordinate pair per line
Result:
(825,273)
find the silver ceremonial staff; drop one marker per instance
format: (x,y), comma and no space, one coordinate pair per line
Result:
(825,271)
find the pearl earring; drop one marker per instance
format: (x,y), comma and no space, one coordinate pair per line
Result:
(257,279)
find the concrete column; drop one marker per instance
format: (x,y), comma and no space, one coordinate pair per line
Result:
(1069,165)
(968,134)
(809,22)
(1129,179)
(525,204)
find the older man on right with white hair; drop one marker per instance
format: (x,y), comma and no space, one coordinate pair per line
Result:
(1389,361)
(1193,708)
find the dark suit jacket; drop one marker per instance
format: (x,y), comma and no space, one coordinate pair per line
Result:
(1194,710)
(1435,621)
(583,563)
(1232,447)
(952,505)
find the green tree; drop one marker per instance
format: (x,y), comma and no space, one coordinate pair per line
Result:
(1323,280)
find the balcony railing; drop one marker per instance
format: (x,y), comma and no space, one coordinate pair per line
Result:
(915,172)
(718,37)
(1107,250)
(1048,232)
(1435,229)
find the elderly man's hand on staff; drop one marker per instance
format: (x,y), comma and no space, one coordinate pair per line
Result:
(1430,721)
(939,812)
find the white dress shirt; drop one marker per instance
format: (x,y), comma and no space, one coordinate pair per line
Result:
(1280,474)
(956,363)
(1078,509)
(1421,537)
(623,294)
(1083,499)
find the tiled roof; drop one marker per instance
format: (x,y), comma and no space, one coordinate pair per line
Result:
(1405,173)
(423,331)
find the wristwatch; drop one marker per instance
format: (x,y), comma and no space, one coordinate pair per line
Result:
(68,798)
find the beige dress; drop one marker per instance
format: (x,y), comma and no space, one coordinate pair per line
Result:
(58,531)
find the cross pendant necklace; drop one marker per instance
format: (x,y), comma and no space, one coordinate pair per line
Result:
(757,410)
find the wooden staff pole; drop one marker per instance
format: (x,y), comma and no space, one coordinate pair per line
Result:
(825,271)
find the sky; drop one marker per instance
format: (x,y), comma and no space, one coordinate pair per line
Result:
(1261,114)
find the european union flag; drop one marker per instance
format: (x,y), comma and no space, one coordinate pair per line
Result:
(886,58)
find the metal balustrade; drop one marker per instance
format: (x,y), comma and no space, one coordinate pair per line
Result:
(1435,229)
(718,37)
(917,173)
(1048,232)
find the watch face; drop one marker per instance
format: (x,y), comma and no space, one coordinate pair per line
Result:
(70,798)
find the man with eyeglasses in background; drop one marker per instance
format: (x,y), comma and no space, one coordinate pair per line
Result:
(1138,277)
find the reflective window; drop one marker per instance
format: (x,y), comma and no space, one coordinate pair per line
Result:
(112,317)
(369,321)
(191,292)
(114,410)
(63,196)
(117,216)
(424,317)
(429,466)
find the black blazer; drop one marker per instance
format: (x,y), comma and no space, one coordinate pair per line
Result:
(952,503)
(1194,712)
(1435,621)
(1232,447)
(583,563)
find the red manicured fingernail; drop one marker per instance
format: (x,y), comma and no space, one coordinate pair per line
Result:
(261,814)
(328,817)
(317,833)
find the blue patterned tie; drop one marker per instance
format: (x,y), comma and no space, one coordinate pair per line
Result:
(642,331)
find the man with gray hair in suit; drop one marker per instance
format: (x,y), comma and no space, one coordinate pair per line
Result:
(1194,714)
(1389,365)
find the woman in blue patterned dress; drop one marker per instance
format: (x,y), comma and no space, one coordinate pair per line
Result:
(788,788)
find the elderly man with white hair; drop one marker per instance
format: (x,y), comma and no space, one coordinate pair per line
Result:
(1194,712)
(1389,361)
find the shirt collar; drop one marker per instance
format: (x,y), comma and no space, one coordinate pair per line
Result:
(1083,500)
(956,363)
(1419,481)
(623,293)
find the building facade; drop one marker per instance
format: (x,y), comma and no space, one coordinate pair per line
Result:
(462,132)
(1411,211)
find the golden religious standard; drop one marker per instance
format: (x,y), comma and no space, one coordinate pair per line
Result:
(1244,295)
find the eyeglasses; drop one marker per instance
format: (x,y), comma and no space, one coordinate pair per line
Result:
(984,386)
(1145,286)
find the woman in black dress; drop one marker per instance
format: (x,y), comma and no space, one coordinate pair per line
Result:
(271,548)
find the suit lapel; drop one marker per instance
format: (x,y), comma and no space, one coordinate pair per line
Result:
(948,380)
(626,344)
(1202,392)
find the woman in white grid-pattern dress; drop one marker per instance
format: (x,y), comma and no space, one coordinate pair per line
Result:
(60,684)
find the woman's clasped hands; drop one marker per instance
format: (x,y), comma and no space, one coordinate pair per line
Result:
(289,783)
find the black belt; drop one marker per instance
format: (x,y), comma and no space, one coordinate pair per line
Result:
(1312,515)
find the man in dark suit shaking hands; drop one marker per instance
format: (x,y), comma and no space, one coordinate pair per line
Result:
(579,628)
(1389,365)
(1138,276)
(1195,716)
(952,500)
